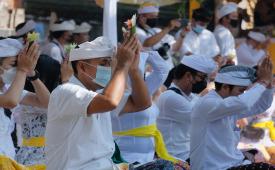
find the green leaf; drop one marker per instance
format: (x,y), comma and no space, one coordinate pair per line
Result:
(31,37)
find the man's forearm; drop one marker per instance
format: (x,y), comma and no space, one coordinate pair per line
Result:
(153,40)
(140,95)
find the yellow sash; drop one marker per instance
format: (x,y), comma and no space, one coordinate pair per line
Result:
(150,131)
(8,164)
(34,142)
(267,125)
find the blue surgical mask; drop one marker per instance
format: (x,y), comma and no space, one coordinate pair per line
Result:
(103,75)
(198,29)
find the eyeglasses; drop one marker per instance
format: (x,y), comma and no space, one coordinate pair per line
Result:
(201,77)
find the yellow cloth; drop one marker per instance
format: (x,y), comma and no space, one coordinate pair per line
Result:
(34,142)
(8,164)
(267,125)
(150,131)
(194,4)
(271,50)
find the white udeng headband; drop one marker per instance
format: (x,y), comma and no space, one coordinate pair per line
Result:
(30,25)
(64,26)
(232,79)
(257,36)
(148,9)
(9,47)
(227,9)
(86,54)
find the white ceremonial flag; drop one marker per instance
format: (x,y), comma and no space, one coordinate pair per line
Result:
(110,20)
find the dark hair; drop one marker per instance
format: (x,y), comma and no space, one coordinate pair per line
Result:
(181,69)
(19,26)
(218,86)
(201,14)
(169,78)
(74,63)
(226,16)
(49,70)
(56,34)
(177,73)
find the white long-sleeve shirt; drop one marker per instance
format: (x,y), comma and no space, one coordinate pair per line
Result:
(143,35)
(55,50)
(248,56)
(204,44)
(225,41)
(213,136)
(141,149)
(174,121)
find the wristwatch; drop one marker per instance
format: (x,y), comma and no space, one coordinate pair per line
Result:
(35,77)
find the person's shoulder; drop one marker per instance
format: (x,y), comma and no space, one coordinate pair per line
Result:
(165,95)
(190,34)
(208,32)
(242,46)
(171,96)
(67,88)
(210,99)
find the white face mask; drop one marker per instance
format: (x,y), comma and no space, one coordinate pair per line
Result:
(9,75)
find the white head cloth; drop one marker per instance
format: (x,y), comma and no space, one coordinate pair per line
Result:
(227,9)
(83,28)
(9,47)
(200,63)
(29,26)
(148,7)
(257,36)
(100,47)
(64,26)
(236,75)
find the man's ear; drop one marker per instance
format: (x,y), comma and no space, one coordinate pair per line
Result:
(188,75)
(80,66)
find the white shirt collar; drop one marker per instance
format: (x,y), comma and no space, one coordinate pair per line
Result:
(75,80)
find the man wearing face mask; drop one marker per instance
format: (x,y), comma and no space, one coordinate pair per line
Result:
(60,35)
(198,40)
(250,53)
(214,116)
(153,38)
(175,104)
(227,17)
(79,111)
